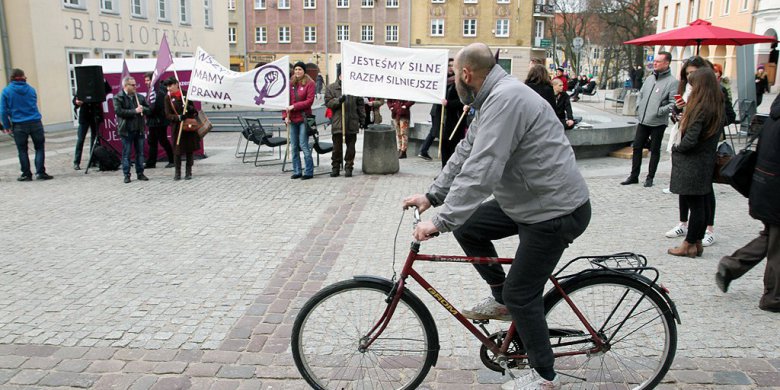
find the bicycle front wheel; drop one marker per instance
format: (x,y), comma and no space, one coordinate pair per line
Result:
(331,325)
(630,316)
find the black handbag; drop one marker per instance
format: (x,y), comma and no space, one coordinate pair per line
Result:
(722,157)
(738,172)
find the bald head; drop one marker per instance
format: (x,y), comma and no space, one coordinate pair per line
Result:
(477,58)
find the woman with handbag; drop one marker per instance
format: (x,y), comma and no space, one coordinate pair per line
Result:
(693,159)
(187,122)
(302,97)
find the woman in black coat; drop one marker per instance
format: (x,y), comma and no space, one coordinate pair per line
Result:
(190,141)
(539,80)
(693,159)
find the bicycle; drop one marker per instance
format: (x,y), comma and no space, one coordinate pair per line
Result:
(611,326)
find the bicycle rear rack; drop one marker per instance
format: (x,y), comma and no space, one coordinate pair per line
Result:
(621,263)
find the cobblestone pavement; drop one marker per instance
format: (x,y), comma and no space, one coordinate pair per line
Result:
(195,284)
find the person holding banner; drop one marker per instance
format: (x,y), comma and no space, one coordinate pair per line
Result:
(158,123)
(130,109)
(401,116)
(301,98)
(189,141)
(348,121)
(517,152)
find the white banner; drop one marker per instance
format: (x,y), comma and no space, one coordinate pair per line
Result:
(418,75)
(265,87)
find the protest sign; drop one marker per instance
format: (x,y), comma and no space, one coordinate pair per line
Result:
(264,87)
(418,75)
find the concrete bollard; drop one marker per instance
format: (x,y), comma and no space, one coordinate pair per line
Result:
(380,153)
(629,104)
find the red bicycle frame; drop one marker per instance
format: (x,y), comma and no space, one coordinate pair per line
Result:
(408,271)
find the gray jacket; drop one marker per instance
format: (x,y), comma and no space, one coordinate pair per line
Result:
(656,99)
(516,151)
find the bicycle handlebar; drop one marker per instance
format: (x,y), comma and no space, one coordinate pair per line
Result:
(418,219)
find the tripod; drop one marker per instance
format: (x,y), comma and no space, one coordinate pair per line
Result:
(98,140)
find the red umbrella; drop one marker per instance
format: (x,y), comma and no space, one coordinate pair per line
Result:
(701,32)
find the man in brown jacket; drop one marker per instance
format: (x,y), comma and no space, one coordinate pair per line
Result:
(355,115)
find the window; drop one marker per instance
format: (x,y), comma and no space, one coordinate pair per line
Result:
(596,53)
(710,7)
(502,27)
(367,33)
(503,2)
(726,6)
(744,6)
(284,34)
(309,4)
(309,34)
(261,34)
(75,4)
(138,8)
(184,11)
(109,6)
(539,33)
(231,5)
(162,11)
(112,55)
(595,70)
(208,14)
(142,54)
(232,34)
(691,11)
(470,28)
(676,14)
(342,32)
(283,4)
(259,4)
(342,3)
(437,27)
(367,4)
(74,58)
(470,1)
(664,17)
(391,33)
(391,3)
(437,1)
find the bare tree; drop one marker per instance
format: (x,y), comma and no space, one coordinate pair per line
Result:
(625,20)
(572,20)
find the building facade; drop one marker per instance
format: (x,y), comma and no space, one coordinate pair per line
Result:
(767,22)
(236,35)
(49,38)
(515,28)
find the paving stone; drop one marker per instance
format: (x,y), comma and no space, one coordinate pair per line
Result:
(115,381)
(71,379)
(139,366)
(202,369)
(453,376)
(161,355)
(6,374)
(70,352)
(754,365)
(99,353)
(35,350)
(145,382)
(12,361)
(224,384)
(731,378)
(103,366)
(27,377)
(236,372)
(170,367)
(172,383)
(42,363)
(129,354)
(220,357)
(73,365)
(189,355)
(237,345)
(693,376)
(766,379)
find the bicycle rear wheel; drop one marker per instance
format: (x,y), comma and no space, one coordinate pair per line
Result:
(632,317)
(331,325)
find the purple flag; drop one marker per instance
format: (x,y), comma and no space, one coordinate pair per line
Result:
(125,70)
(164,60)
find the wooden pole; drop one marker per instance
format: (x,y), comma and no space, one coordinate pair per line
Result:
(343,123)
(441,128)
(463,115)
(184,109)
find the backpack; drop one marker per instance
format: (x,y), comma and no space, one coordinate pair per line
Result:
(106,159)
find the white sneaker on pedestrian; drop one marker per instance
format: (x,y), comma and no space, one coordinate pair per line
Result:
(488,309)
(532,381)
(678,231)
(709,238)
(666,191)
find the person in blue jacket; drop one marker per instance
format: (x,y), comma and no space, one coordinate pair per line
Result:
(19,114)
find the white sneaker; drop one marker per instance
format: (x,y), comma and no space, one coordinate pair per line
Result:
(678,231)
(709,238)
(532,381)
(488,309)
(666,191)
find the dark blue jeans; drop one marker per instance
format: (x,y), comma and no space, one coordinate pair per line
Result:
(34,130)
(136,141)
(541,247)
(80,137)
(299,141)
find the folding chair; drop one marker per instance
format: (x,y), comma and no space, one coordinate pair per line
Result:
(257,134)
(317,146)
(243,136)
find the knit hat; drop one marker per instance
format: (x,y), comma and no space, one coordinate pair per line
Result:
(300,64)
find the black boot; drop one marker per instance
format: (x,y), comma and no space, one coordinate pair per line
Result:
(348,172)
(188,172)
(334,172)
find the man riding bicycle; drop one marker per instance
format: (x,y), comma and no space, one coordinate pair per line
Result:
(516,151)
